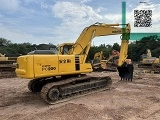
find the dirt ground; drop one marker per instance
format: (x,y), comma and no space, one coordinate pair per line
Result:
(135,100)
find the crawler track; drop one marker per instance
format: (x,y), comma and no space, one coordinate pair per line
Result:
(65,97)
(7,70)
(7,74)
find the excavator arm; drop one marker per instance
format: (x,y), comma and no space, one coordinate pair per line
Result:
(125,69)
(100,29)
(82,45)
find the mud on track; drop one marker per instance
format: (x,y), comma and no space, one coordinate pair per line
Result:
(135,100)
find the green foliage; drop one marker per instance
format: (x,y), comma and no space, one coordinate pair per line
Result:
(137,48)
(116,46)
(4,42)
(15,49)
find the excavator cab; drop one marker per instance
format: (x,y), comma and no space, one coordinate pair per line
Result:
(64,48)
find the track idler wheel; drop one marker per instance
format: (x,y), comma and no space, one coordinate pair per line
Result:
(126,71)
(53,94)
(35,85)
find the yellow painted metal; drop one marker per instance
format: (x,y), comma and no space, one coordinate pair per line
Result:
(123,52)
(25,66)
(39,66)
(98,55)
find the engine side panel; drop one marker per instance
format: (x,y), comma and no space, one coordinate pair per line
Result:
(55,65)
(38,66)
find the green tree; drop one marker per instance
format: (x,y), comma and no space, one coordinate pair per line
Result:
(116,46)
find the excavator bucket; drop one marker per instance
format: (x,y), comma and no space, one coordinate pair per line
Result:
(126,71)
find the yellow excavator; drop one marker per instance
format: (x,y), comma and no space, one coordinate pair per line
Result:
(7,66)
(99,55)
(100,63)
(60,77)
(148,61)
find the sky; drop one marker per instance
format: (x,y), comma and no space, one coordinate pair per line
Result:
(59,21)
